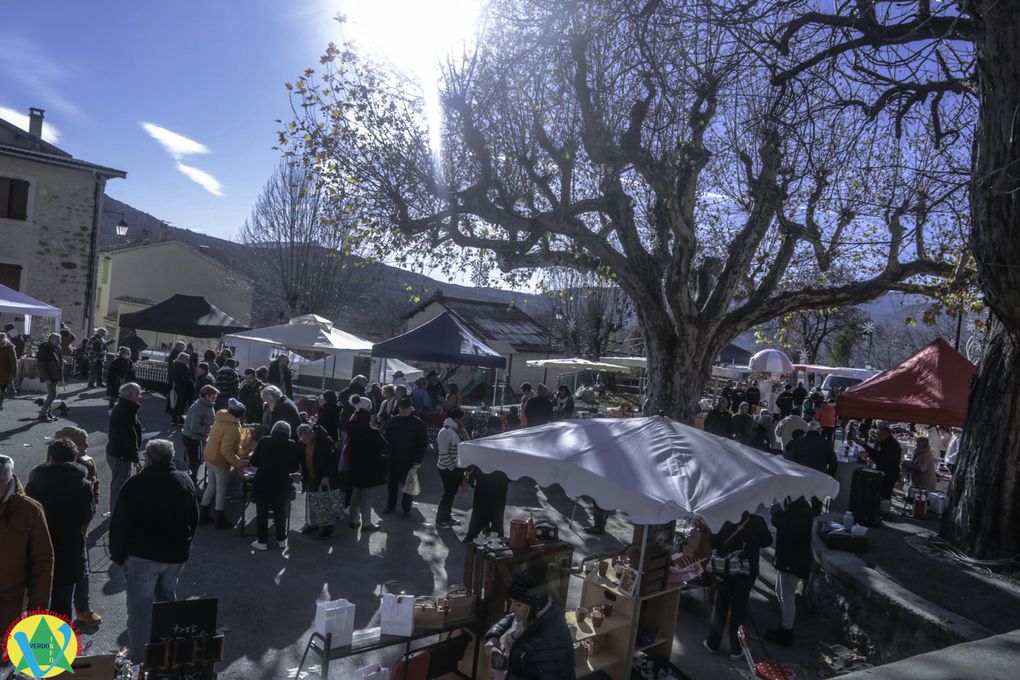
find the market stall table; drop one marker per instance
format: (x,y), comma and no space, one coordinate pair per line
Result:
(371,639)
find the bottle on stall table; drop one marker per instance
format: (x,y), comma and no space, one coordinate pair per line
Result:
(848,520)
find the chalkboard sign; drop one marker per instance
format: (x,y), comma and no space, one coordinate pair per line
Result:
(180,628)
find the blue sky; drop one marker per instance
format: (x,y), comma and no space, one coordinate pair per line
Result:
(205,76)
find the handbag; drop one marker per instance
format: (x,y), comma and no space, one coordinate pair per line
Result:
(173,397)
(325,508)
(428,613)
(730,564)
(412,487)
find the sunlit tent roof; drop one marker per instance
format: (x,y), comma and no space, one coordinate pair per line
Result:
(16,302)
(190,315)
(654,469)
(577,364)
(443,340)
(932,387)
(310,336)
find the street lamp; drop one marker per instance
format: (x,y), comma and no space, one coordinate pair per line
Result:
(121,226)
(869,332)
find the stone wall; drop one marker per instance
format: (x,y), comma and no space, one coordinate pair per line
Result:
(878,618)
(52,246)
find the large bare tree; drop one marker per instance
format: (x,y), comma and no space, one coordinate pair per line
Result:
(588,312)
(305,242)
(928,61)
(636,139)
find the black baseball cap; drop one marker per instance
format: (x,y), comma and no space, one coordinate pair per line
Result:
(405,402)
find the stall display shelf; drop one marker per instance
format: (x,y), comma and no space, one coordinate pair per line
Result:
(585,630)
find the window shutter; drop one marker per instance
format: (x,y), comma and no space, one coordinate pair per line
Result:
(18,201)
(5,194)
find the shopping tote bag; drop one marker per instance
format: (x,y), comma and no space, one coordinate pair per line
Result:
(396,614)
(325,508)
(335,618)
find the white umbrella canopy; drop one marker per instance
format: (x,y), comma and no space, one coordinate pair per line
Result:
(770,361)
(654,469)
(578,364)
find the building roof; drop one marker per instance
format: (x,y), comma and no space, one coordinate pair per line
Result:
(113,250)
(18,143)
(493,322)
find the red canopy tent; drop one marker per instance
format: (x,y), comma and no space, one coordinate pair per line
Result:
(931,387)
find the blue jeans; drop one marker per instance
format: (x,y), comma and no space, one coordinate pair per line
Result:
(120,472)
(148,582)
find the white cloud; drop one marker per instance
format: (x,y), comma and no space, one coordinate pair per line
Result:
(49,133)
(202,178)
(176,145)
(25,61)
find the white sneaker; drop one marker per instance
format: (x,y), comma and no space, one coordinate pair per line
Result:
(259,546)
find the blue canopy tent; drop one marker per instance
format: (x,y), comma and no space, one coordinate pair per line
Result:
(443,340)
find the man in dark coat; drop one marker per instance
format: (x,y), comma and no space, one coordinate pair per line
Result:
(134,343)
(280,408)
(281,375)
(15,337)
(275,457)
(813,450)
(533,638)
(752,395)
(539,409)
(249,393)
(888,457)
(151,531)
(124,439)
(784,402)
(717,421)
(793,522)
(799,394)
(62,488)
(49,364)
(408,440)
(120,371)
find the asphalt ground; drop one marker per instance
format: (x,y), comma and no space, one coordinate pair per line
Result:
(267,599)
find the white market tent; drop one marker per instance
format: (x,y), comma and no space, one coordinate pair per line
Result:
(577,364)
(654,469)
(310,337)
(19,304)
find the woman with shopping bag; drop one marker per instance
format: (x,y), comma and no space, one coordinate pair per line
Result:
(367,466)
(532,642)
(320,480)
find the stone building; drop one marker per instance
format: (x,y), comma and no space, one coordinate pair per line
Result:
(50,209)
(137,275)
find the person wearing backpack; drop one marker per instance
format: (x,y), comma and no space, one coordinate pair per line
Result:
(734,564)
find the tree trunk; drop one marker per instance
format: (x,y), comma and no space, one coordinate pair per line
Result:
(677,369)
(983,518)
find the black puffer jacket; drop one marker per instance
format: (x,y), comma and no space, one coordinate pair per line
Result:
(275,457)
(66,496)
(544,652)
(156,516)
(793,537)
(287,411)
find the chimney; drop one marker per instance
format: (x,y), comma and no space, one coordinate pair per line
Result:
(35,119)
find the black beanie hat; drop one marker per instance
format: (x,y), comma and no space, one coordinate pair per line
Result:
(529,586)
